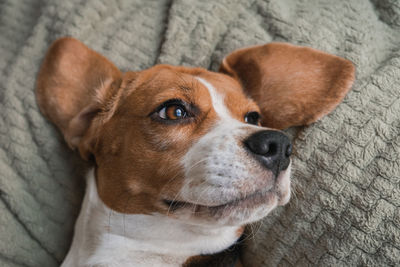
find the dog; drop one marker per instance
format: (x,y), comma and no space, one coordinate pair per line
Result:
(183,158)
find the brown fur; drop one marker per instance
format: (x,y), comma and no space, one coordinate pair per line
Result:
(107,114)
(71,77)
(128,146)
(292,85)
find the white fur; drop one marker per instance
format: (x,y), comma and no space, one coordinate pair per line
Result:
(104,237)
(217,101)
(218,170)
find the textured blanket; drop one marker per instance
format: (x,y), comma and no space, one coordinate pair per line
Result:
(346,206)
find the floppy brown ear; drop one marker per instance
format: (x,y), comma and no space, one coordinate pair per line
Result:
(73,84)
(292,85)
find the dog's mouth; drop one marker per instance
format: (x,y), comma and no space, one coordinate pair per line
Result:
(238,208)
(247,202)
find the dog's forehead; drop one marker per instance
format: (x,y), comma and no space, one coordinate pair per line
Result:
(227,95)
(199,85)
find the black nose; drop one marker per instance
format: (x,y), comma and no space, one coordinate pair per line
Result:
(271,148)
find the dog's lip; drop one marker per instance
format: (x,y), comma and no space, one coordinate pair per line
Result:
(258,196)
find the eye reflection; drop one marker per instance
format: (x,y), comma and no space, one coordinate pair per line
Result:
(172,112)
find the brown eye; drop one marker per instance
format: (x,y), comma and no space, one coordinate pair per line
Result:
(252,117)
(172,112)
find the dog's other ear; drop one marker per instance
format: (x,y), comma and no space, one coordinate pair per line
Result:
(292,85)
(73,85)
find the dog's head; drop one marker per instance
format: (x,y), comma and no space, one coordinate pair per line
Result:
(189,143)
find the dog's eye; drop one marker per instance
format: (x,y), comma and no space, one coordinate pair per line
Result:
(172,112)
(252,117)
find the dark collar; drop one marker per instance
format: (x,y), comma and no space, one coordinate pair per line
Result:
(229,257)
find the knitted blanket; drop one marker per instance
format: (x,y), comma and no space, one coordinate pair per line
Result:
(345,210)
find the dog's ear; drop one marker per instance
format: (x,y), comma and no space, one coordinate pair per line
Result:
(292,85)
(73,85)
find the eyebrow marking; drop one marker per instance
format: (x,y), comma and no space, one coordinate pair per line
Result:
(184,88)
(217,100)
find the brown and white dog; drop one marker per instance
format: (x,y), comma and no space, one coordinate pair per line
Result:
(182,160)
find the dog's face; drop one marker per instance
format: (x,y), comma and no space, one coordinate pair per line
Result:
(187,142)
(184,142)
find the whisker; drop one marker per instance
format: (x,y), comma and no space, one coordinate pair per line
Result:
(170,181)
(189,169)
(109,224)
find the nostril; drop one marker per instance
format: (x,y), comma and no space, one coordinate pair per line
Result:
(288,150)
(272,150)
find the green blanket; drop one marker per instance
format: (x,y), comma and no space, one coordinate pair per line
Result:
(346,204)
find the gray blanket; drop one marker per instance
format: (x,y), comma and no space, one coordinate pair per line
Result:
(346,206)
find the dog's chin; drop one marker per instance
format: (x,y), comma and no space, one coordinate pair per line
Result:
(239,211)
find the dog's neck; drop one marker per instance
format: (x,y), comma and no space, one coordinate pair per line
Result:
(104,237)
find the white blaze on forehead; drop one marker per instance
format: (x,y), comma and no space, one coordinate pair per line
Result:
(217,100)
